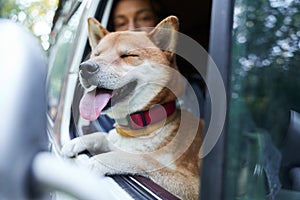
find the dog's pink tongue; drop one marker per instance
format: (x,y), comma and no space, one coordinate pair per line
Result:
(92,104)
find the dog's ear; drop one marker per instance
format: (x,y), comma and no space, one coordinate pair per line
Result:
(164,35)
(96,32)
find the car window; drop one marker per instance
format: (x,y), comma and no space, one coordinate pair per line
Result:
(264,88)
(59,58)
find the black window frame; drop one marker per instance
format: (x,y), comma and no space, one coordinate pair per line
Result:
(212,178)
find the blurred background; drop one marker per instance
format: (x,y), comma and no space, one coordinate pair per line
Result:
(36,15)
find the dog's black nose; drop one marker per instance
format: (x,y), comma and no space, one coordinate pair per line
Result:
(88,68)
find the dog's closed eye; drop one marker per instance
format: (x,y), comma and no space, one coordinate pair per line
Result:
(132,59)
(128,55)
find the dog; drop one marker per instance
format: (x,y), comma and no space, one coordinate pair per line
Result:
(132,76)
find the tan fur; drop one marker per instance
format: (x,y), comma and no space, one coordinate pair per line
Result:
(169,153)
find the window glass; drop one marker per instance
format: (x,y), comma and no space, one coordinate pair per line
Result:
(59,58)
(264,88)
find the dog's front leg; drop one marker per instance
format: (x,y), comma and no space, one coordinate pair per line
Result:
(95,143)
(119,162)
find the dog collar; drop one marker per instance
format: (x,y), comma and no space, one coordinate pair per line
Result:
(141,120)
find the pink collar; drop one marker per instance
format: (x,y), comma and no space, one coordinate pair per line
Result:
(156,114)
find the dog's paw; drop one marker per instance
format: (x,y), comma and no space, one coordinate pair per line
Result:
(97,166)
(73,147)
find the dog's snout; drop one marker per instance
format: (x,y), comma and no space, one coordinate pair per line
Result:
(88,68)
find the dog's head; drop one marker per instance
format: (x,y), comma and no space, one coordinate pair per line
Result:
(129,71)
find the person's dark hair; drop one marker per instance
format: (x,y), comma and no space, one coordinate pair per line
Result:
(158,7)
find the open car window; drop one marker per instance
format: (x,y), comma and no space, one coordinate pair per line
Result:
(70,124)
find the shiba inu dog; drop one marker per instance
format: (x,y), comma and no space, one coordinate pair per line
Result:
(132,76)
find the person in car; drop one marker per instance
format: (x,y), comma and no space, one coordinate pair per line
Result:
(136,14)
